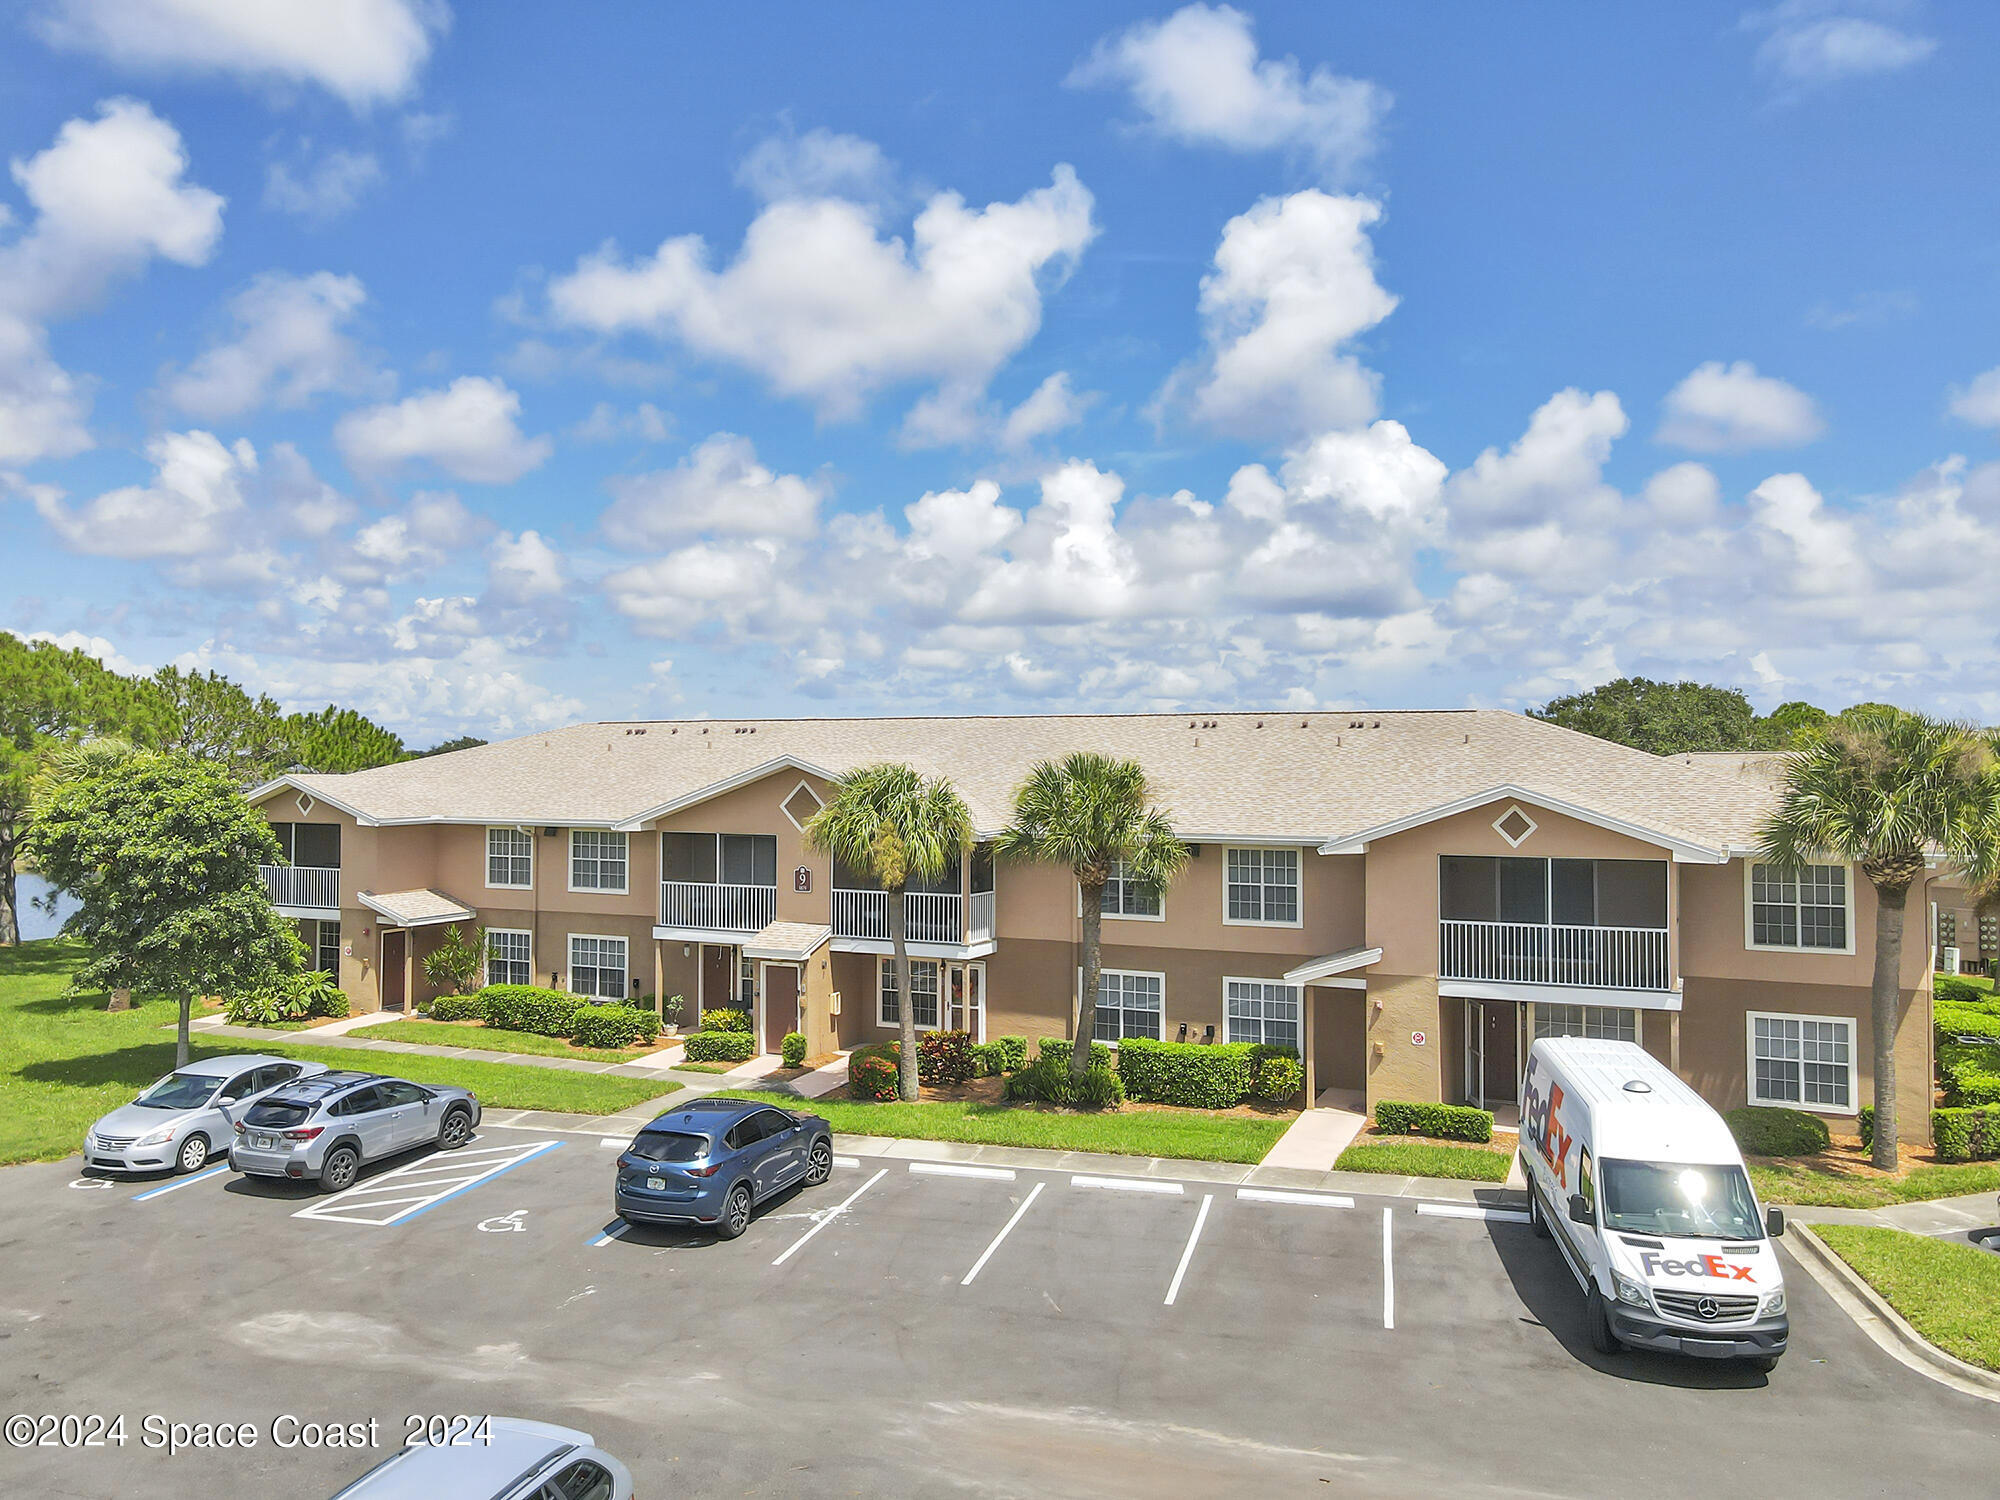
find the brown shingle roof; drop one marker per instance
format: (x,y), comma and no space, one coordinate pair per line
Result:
(1315,776)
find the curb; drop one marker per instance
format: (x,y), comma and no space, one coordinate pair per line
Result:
(1882,1323)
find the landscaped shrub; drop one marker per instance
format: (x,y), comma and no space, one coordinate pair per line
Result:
(944,1057)
(1013,1052)
(793,1049)
(505,1006)
(456,1008)
(1216,1076)
(455,963)
(1769,1130)
(1970,1074)
(612,1026)
(720,1046)
(1966,1134)
(258,1008)
(1047,1080)
(986,1059)
(726,1018)
(323,998)
(1445,1122)
(872,1071)
(549,1013)
(1278,1079)
(1954,1020)
(1099,1052)
(294,997)
(1950,989)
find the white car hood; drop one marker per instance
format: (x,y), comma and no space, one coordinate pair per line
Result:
(1703,1267)
(137,1120)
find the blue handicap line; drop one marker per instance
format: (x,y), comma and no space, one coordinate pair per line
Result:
(611,1231)
(541,1150)
(181,1183)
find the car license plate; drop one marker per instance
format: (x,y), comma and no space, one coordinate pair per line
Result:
(261,1142)
(657,1184)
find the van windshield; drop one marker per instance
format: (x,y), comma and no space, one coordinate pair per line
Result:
(1664,1198)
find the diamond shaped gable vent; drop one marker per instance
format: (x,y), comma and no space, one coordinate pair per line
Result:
(1514,826)
(801,805)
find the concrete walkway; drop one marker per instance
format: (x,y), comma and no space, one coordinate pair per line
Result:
(1316,1138)
(1937,1217)
(318,1037)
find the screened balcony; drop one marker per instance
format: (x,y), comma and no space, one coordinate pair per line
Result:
(309,880)
(718,882)
(1582,923)
(942,912)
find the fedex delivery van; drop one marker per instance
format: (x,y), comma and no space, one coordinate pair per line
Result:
(1642,1188)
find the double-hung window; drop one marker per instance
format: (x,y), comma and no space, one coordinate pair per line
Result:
(1126,897)
(597,860)
(1262,886)
(509,957)
(1128,1004)
(923,989)
(326,947)
(510,858)
(597,966)
(1802,1060)
(1260,1010)
(1806,908)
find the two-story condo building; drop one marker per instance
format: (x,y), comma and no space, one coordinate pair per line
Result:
(1408,898)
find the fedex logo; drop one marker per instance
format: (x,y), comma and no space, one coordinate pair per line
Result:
(1544,1121)
(1700,1265)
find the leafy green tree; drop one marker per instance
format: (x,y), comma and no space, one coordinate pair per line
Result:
(456,963)
(1090,812)
(445,747)
(336,740)
(161,854)
(900,828)
(1662,718)
(1887,789)
(217,722)
(1792,726)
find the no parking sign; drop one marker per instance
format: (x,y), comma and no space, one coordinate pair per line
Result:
(1417,1039)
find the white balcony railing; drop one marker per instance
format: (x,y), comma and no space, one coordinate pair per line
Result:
(717,908)
(982,917)
(927,917)
(314,886)
(1626,958)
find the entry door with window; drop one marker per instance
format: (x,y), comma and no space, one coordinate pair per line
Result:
(1492,1053)
(967,995)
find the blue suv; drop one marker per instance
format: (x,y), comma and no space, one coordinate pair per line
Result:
(712,1161)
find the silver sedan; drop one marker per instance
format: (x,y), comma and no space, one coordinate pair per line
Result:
(176,1124)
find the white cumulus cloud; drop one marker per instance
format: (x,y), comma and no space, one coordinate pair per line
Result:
(819,164)
(719,487)
(191,508)
(1722,408)
(290,345)
(1810,43)
(1978,402)
(470,429)
(321,191)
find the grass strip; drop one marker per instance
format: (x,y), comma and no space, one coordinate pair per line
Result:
(1947,1291)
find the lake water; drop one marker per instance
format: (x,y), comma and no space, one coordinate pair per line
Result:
(36,923)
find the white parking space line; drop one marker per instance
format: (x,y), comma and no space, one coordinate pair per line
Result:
(1127,1184)
(1007,1229)
(615,1142)
(847,1161)
(174,1187)
(831,1214)
(1388,1270)
(614,1232)
(1174,1290)
(958,1169)
(1279,1195)
(1469,1211)
(432,1181)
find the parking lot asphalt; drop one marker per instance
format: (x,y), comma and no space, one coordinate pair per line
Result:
(909,1328)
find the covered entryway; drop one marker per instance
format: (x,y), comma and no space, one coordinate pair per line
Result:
(1333,1041)
(793,991)
(1493,1054)
(401,913)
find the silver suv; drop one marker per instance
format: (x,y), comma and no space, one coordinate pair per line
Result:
(193,1111)
(509,1459)
(322,1129)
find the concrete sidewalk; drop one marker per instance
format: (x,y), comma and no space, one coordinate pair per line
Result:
(1316,1138)
(1937,1217)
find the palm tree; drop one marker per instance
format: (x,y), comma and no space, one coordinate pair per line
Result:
(900,828)
(1888,790)
(1090,812)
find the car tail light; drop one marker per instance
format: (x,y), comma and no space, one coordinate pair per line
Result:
(239,1127)
(709,1171)
(303,1135)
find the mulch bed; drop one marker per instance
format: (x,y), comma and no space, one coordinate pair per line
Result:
(992,1091)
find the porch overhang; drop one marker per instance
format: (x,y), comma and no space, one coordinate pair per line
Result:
(1335,969)
(787,942)
(422,908)
(1559,994)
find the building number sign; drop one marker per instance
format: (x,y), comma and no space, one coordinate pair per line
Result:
(802,879)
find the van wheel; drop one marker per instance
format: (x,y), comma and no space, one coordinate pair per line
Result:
(735,1213)
(1537,1220)
(338,1171)
(194,1153)
(1602,1339)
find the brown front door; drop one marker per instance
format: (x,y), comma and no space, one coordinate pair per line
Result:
(395,943)
(718,977)
(781,1005)
(1502,1051)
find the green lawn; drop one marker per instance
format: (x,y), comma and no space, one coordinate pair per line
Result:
(1807,1185)
(1413,1158)
(1947,1291)
(1184,1134)
(487,1038)
(65,1061)
(706,1067)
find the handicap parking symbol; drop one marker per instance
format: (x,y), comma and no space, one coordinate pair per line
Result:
(85,1184)
(506,1223)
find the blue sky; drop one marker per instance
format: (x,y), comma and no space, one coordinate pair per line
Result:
(499,366)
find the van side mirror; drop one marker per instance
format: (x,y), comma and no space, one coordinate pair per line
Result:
(1774,1222)
(1579,1211)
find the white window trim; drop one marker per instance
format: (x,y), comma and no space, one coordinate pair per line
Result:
(1512,808)
(1750,1020)
(599,890)
(486,855)
(569,953)
(1158,974)
(1750,914)
(1229,921)
(486,958)
(1229,979)
(887,965)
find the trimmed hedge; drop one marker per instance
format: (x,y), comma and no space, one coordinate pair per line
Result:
(1013,1052)
(1949,989)
(527,1007)
(987,1059)
(612,1025)
(873,1071)
(1099,1052)
(1278,1079)
(1047,1080)
(944,1056)
(1950,1020)
(1772,1130)
(1970,1075)
(727,1018)
(720,1046)
(457,1008)
(1966,1134)
(1445,1122)
(793,1049)
(1216,1076)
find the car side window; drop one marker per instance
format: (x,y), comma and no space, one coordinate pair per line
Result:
(278,1073)
(771,1123)
(360,1102)
(400,1093)
(239,1087)
(582,1480)
(741,1134)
